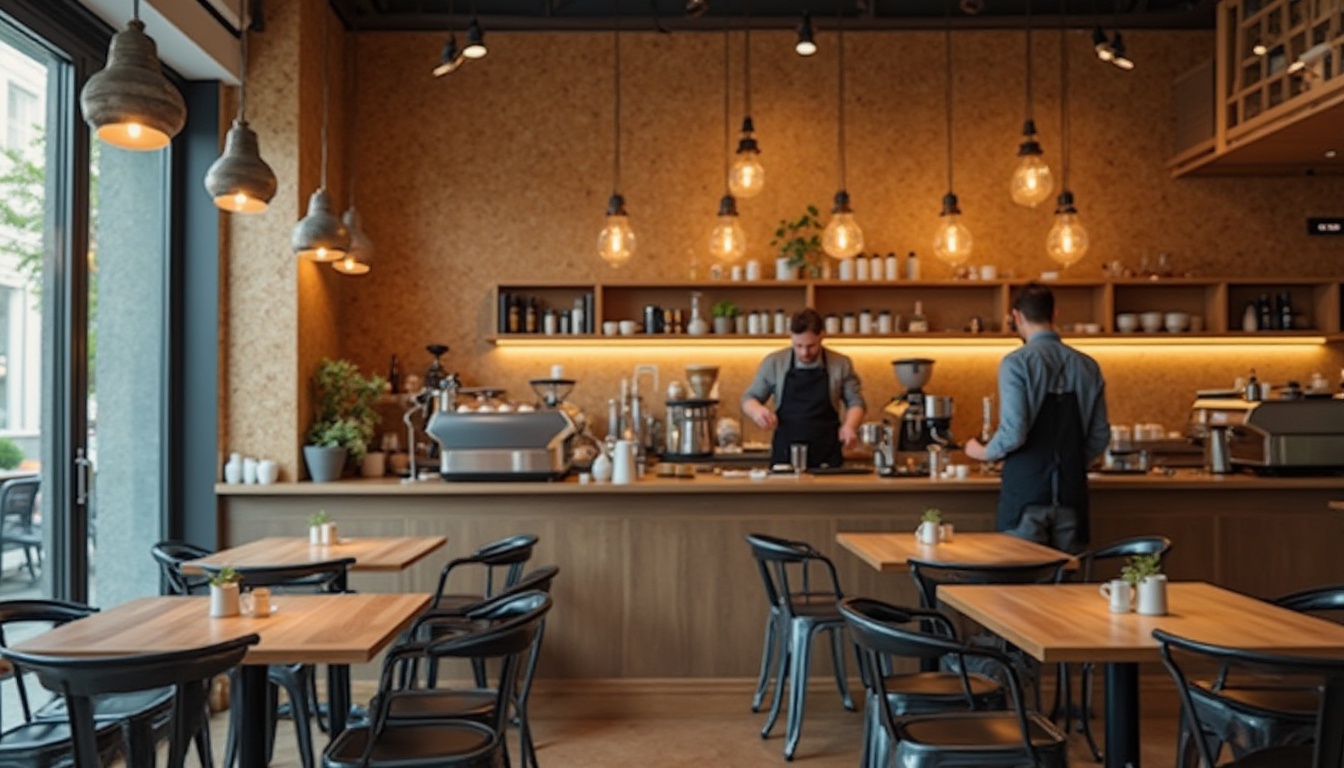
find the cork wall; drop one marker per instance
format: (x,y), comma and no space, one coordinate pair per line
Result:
(499,173)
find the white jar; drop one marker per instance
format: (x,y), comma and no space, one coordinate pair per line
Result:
(893,268)
(860,267)
(875,268)
(884,324)
(865,321)
(846,269)
(781,323)
(753,270)
(233,469)
(753,324)
(847,323)
(832,324)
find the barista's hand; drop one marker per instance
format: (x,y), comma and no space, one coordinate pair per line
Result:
(847,436)
(762,416)
(975,449)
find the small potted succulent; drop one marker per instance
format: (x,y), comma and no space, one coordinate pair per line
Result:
(321,530)
(724,312)
(930,522)
(1150,584)
(224,592)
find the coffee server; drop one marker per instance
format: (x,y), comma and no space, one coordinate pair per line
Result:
(690,421)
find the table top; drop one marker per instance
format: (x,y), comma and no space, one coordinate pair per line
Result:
(309,629)
(891,551)
(1072,622)
(371,553)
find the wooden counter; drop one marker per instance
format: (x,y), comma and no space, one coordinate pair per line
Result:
(656,580)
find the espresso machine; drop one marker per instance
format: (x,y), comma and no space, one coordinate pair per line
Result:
(689,434)
(921,419)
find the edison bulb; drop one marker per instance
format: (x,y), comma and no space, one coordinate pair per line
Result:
(952,242)
(1067,241)
(727,243)
(842,238)
(1032,182)
(747,176)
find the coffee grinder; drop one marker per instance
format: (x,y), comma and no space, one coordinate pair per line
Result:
(689,435)
(921,419)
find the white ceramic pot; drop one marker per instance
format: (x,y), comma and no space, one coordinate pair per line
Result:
(601,468)
(1152,596)
(233,469)
(327,534)
(267,471)
(314,535)
(224,600)
(783,271)
(927,533)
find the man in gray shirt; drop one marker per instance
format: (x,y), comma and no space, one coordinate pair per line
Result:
(807,382)
(1052,424)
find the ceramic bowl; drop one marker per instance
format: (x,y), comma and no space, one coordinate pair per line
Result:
(1151,321)
(1177,322)
(1126,322)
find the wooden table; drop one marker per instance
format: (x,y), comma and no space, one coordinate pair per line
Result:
(893,551)
(1071,622)
(371,553)
(337,630)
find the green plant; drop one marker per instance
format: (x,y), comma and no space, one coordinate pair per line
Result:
(343,401)
(11,455)
(318,518)
(725,309)
(1140,567)
(932,515)
(799,240)
(225,575)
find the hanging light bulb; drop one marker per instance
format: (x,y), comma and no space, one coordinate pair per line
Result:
(747,177)
(1067,241)
(129,103)
(475,41)
(320,236)
(358,260)
(1032,182)
(806,45)
(952,242)
(842,238)
(727,243)
(616,243)
(239,180)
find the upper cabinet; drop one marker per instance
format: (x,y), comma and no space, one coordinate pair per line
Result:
(1272,101)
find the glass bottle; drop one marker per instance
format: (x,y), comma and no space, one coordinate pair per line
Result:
(918,322)
(394,376)
(1266,312)
(1284,310)
(530,316)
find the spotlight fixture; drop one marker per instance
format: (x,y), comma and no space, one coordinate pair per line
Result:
(806,45)
(320,236)
(696,8)
(129,103)
(842,238)
(1259,49)
(240,181)
(1100,45)
(451,59)
(1309,57)
(616,241)
(1118,55)
(475,41)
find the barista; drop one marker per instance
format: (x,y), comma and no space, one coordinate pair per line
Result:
(818,397)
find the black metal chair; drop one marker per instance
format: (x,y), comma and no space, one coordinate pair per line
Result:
(1324,676)
(447,728)
(1247,713)
(85,681)
(297,680)
(794,620)
(1016,737)
(912,693)
(1101,564)
(170,555)
(18,500)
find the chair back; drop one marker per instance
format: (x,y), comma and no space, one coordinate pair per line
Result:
(786,570)
(1179,653)
(881,629)
(79,679)
(170,555)
(51,612)
(928,575)
(18,498)
(509,554)
(1327,600)
(1125,548)
(319,576)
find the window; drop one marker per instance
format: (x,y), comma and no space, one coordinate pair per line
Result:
(21,116)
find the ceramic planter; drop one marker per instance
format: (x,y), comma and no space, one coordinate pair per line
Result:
(324,463)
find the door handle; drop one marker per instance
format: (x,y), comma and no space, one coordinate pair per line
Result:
(83,477)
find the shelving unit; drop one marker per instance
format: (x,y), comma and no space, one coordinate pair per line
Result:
(949,306)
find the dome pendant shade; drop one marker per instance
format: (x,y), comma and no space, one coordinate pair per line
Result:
(616,242)
(240,181)
(359,259)
(806,44)
(129,103)
(842,238)
(475,48)
(320,236)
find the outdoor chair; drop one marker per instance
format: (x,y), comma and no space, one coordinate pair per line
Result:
(18,530)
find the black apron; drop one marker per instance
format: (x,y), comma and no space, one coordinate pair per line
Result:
(807,415)
(1043,496)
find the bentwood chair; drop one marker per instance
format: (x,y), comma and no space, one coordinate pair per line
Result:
(911,693)
(18,502)
(1016,737)
(85,681)
(1323,676)
(798,613)
(1250,712)
(170,555)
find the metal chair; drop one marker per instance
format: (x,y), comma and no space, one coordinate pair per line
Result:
(1100,564)
(913,693)
(794,620)
(18,500)
(86,681)
(170,555)
(1015,737)
(1323,676)
(1249,713)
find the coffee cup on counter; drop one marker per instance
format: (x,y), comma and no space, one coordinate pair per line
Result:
(627,327)
(610,328)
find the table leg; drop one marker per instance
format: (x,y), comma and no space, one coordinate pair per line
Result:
(338,693)
(253,704)
(1122,715)
(1330,749)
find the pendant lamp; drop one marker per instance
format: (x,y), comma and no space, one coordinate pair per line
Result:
(727,241)
(358,260)
(616,242)
(475,48)
(952,241)
(240,181)
(1067,241)
(842,238)
(806,45)
(1032,183)
(129,103)
(320,236)
(747,177)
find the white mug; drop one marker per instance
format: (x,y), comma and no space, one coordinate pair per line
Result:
(1152,600)
(609,327)
(1121,595)
(224,600)
(927,533)
(256,603)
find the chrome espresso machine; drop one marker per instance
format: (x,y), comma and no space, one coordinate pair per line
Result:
(1301,435)
(917,420)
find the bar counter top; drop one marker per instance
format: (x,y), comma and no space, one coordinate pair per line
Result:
(1185,479)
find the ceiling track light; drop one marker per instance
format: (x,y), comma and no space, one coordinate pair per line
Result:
(129,103)
(475,48)
(240,181)
(1119,57)
(450,59)
(806,45)
(1100,45)
(696,8)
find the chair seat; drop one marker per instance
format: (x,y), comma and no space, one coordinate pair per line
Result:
(1287,701)
(45,743)
(922,693)
(114,707)
(477,705)
(450,744)
(1275,757)
(975,731)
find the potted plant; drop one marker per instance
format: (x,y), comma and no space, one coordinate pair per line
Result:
(224,592)
(1150,584)
(344,418)
(927,533)
(320,528)
(799,244)
(724,312)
